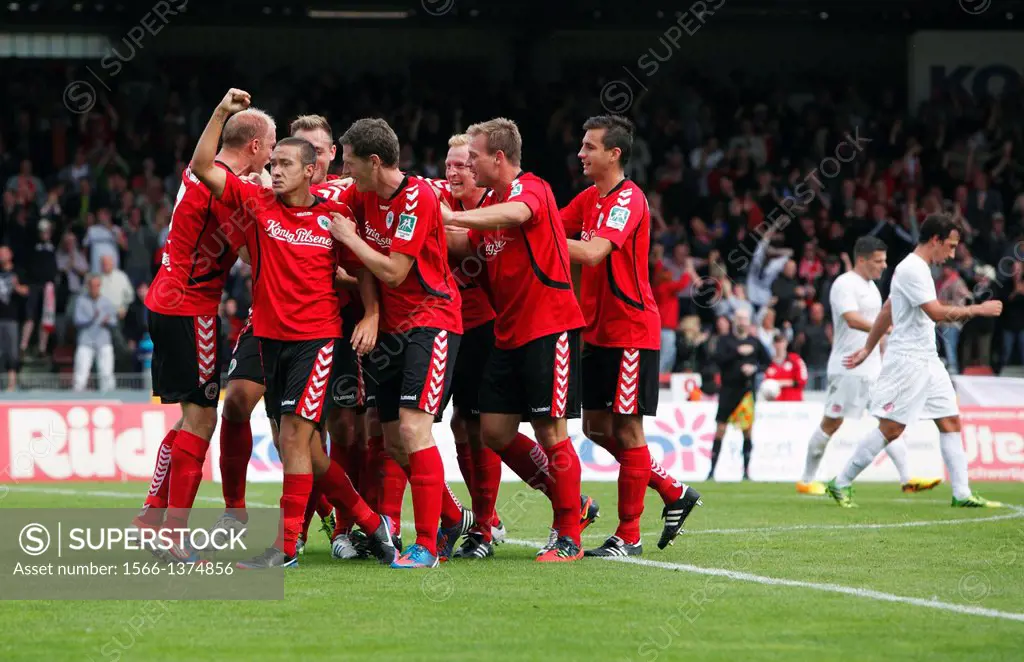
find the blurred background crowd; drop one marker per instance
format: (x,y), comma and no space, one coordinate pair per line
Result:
(87,198)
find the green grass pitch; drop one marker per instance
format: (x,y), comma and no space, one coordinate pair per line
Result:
(761,574)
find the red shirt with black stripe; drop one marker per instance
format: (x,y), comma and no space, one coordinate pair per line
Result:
(353,309)
(294,258)
(616,295)
(528,268)
(476,306)
(409,222)
(196,258)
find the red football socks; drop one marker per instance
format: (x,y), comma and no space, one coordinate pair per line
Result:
(486,480)
(666,486)
(156,500)
(311,506)
(372,471)
(294,497)
(235,451)
(392,492)
(464,453)
(634,470)
(451,509)
(186,473)
(526,457)
(426,475)
(564,466)
(340,491)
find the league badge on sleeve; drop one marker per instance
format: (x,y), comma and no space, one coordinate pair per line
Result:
(406,227)
(617,218)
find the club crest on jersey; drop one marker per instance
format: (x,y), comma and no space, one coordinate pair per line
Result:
(406,226)
(617,218)
(600,220)
(389,220)
(323,222)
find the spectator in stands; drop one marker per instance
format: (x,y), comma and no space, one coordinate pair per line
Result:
(787,296)
(708,368)
(1013,318)
(951,291)
(27,188)
(72,265)
(765,266)
(77,170)
(669,283)
(977,332)
(115,286)
(136,320)
(103,239)
(52,209)
(814,343)
(833,269)
(766,328)
(40,276)
(788,369)
(95,317)
(10,286)
(689,340)
(140,245)
(982,204)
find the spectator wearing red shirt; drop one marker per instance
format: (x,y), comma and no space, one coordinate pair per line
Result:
(788,369)
(666,293)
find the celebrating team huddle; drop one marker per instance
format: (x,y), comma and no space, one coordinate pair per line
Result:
(379,297)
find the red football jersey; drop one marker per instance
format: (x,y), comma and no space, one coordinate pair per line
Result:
(409,222)
(333,193)
(293,258)
(196,258)
(528,268)
(476,306)
(616,295)
(793,368)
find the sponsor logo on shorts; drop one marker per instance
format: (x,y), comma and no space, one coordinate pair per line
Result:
(211,390)
(406,398)
(232,366)
(287,402)
(539,410)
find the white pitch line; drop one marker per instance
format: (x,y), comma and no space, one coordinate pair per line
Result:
(825,588)
(116,495)
(1017,513)
(869,594)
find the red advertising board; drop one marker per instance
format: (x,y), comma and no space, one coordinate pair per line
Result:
(82,440)
(994,441)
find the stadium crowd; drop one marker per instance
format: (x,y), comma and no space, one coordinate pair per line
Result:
(87,200)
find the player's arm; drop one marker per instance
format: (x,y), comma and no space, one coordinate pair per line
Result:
(202,164)
(243,253)
(364,336)
(459,244)
(940,312)
(495,217)
(878,329)
(389,269)
(590,253)
(857,321)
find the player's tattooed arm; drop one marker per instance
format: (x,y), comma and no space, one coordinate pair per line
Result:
(495,217)
(590,253)
(202,164)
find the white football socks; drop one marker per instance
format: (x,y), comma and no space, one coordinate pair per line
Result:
(897,451)
(815,451)
(870,446)
(956,463)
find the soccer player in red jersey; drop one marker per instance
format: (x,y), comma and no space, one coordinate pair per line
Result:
(533,371)
(297,319)
(183,323)
(245,372)
(622,338)
(480,466)
(400,238)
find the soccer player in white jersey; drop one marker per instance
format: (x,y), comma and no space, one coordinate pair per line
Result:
(913,383)
(855,302)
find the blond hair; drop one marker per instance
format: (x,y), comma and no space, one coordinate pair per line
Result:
(502,136)
(311,123)
(459,140)
(245,126)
